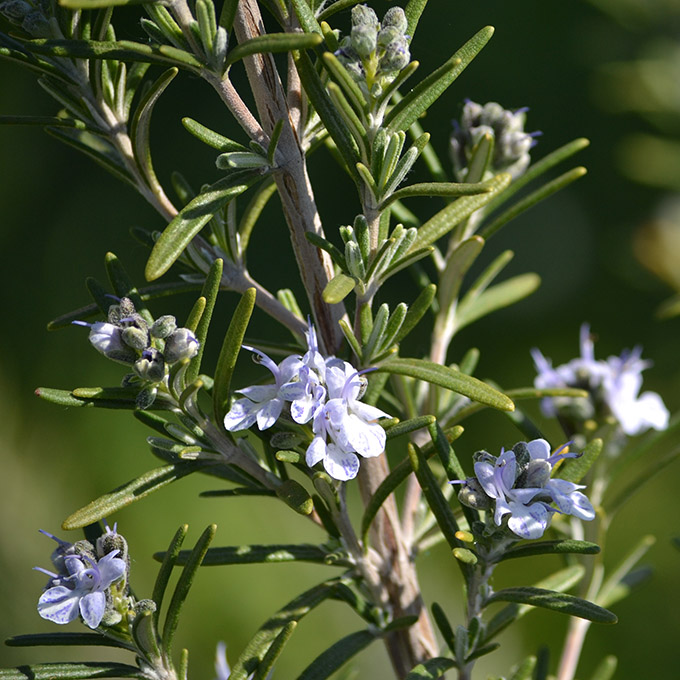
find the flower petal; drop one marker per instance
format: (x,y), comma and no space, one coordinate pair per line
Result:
(528,521)
(315,451)
(59,605)
(340,464)
(242,415)
(92,608)
(269,413)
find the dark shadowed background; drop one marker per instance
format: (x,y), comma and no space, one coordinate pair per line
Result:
(580,67)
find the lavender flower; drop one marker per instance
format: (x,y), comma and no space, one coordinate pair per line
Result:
(519,486)
(614,387)
(80,585)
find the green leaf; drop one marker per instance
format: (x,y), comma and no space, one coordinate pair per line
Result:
(421,97)
(184,584)
(431,669)
(274,651)
(295,496)
(416,311)
(435,498)
(350,337)
(413,11)
(450,379)
(212,138)
(452,466)
(454,213)
(525,669)
(141,123)
(457,264)
(410,425)
(273,42)
(51,121)
(531,200)
(558,602)
(558,547)
(342,76)
(211,288)
(605,669)
(398,475)
(65,640)
(575,469)
(228,14)
(97,4)
(128,493)
(306,17)
(444,626)
(192,218)
(446,189)
(296,609)
(255,554)
(338,288)
(501,295)
(122,284)
(230,351)
(72,671)
(337,7)
(165,570)
(337,655)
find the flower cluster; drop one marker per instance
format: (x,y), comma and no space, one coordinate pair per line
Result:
(613,385)
(519,487)
(90,581)
(375,52)
(32,17)
(325,392)
(506,128)
(127,337)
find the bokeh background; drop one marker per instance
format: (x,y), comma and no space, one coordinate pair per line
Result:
(608,70)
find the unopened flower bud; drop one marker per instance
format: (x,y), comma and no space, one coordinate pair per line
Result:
(150,366)
(135,337)
(163,326)
(397,56)
(36,24)
(107,339)
(123,310)
(388,34)
(536,475)
(182,344)
(472,495)
(364,40)
(395,17)
(362,15)
(15,10)
(354,261)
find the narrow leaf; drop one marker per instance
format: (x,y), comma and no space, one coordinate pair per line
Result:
(446,189)
(410,425)
(338,288)
(256,554)
(559,547)
(575,469)
(229,353)
(169,559)
(450,379)
(559,602)
(431,669)
(65,640)
(273,42)
(192,218)
(184,584)
(419,100)
(306,16)
(337,655)
(605,669)
(71,671)
(295,496)
(212,138)
(416,311)
(274,651)
(413,11)
(133,491)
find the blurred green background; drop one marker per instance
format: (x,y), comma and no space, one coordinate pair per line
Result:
(603,70)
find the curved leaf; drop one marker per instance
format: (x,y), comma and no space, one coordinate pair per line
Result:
(559,547)
(274,42)
(431,669)
(337,655)
(338,288)
(255,554)
(450,379)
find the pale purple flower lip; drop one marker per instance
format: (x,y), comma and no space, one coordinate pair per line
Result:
(522,492)
(325,392)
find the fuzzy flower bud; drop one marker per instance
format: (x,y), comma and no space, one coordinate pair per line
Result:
(163,326)
(135,337)
(150,366)
(396,18)
(397,56)
(182,344)
(362,15)
(364,40)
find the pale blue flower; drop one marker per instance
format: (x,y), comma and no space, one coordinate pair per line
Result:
(350,425)
(262,403)
(519,483)
(83,590)
(614,387)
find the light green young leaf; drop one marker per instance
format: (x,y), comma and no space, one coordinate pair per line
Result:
(338,288)
(562,603)
(212,138)
(501,295)
(192,218)
(228,14)
(306,17)
(421,97)
(229,353)
(129,493)
(295,496)
(450,379)
(273,42)
(446,189)
(431,669)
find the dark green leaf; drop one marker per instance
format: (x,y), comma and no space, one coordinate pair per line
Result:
(410,425)
(165,570)
(97,4)
(122,284)
(559,547)
(419,100)
(431,669)
(444,626)
(184,584)
(192,218)
(212,138)
(71,671)
(575,469)
(65,639)
(128,493)
(251,554)
(295,496)
(446,189)
(452,466)
(559,602)
(274,651)
(450,379)
(211,288)
(454,213)
(256,649)
(337,655)
(274,42)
